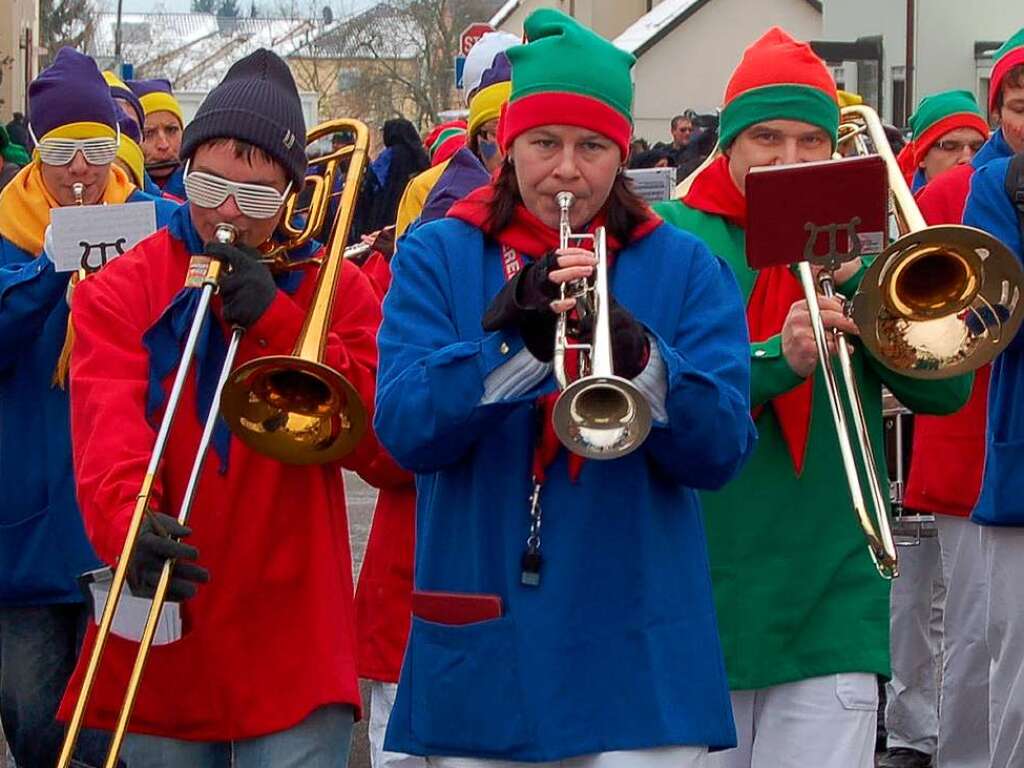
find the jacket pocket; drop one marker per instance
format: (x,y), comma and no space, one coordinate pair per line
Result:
(35,565)
(466,691)
(857,690)
(1002,491)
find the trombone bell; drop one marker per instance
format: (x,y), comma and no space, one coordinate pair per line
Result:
(294,410)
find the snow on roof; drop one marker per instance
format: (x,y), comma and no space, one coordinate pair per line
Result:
(195,50)
(640,34)
(503,13)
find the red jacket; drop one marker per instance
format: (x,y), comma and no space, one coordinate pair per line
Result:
(384,592)
(271,637)
(948,452)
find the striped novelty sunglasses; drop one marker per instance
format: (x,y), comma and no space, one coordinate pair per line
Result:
(97,151)
(257,201)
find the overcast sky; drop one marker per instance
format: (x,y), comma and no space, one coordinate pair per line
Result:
(267,6)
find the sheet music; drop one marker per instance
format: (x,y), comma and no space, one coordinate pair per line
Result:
(89,236)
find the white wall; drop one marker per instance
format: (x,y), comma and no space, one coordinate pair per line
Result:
(945,33)
(606,17)
(691,65)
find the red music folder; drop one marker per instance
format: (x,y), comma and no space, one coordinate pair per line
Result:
(809,211)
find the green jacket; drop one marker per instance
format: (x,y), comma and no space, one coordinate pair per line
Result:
(795,588)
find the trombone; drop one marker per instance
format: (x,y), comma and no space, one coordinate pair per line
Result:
(938,302)
(286,388)
(599,415)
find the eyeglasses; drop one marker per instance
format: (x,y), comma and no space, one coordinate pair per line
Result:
(952,145)
(257,201)
(59,152)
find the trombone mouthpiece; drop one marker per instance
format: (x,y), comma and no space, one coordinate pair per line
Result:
(565,200)
(225,233)
(78,190)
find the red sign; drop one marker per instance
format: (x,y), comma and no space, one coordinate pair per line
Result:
(471,34)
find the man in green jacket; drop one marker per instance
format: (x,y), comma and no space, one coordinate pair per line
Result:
(803,613)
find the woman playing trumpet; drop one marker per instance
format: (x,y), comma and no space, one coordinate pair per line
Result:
(562,607)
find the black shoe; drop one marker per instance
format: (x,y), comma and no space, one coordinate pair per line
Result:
(903,757)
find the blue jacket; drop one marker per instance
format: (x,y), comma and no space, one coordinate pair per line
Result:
(43,547)
(617,648)
(1002,491)
(174,185)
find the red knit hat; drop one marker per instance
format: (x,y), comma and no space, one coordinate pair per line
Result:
(779,78)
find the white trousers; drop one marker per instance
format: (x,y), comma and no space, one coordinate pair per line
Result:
(824,722)
(915,642)
(1003,551)
(382,699)
(666,757)
(963,699)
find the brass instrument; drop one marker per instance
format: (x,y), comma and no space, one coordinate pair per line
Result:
(294,408)
(599,415)
(304,391)
(940,301)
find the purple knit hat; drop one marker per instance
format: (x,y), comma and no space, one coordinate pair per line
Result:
(157,96)
(71,90)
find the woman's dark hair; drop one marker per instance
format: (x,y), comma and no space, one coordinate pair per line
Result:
(625,209)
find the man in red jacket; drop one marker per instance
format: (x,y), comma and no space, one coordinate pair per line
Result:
(946,469)
(264,673)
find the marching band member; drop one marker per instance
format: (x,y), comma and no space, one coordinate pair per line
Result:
(161,134)
(948,131)
(43,546)
(1000,507)
(803,614)
(265,670)
(601,642)
(384,592)
(126,99)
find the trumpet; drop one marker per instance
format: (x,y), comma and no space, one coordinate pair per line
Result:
(599,415)
(309,412)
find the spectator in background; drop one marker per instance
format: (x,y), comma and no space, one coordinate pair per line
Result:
(17,130)
(638,145)
(402,158)
(13,158)
(682,133)
(652,158)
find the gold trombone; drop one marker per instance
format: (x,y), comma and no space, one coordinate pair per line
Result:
(286,388)
(599,415)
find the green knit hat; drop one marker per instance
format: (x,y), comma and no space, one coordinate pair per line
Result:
(779,78)
(1009,55)
(940,113)
(567,74)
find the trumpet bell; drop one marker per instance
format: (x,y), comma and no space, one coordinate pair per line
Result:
(293,410)
(602,417)
(939,302)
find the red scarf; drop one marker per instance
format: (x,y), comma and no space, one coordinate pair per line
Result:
(775,290)
(529,236)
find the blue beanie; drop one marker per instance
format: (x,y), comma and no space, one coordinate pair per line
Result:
(71,91)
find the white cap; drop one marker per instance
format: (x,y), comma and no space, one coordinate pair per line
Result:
(481,56)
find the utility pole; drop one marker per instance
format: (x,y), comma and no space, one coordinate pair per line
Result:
(117,37)
(908,82)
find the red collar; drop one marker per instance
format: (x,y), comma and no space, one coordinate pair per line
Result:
(714,191)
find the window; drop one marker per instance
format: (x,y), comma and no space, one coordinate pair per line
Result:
(899,97)
(348,79)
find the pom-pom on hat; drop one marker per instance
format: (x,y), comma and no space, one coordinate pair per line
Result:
(120,90)
(779,78)
(156,96)
(256,102)
(940,113)
(1009,55)
(71,100)
(567,74)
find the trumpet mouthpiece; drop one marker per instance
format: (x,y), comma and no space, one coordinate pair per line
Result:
(225,233)
(78,190)
(565,200)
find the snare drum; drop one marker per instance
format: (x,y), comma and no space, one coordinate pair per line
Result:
(908,526)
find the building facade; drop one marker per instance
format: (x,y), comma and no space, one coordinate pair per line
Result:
(19,53)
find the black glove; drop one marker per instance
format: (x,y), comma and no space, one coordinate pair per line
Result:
(630,346)
(247,288)
(153,547)
(525,302)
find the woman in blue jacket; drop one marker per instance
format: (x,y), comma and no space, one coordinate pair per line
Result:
(602,645)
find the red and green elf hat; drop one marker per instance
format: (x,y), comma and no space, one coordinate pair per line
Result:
(779,78)
(567,74)
(1009,55)
(940,113)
